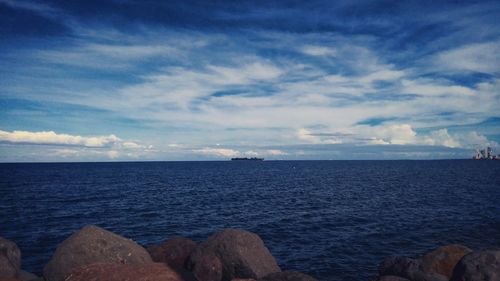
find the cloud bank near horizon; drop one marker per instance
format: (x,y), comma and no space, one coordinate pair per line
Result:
(259,80)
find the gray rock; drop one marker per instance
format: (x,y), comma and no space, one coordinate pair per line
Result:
(10,258)
(89,245)
(478,266)
(288,275)
(242,254)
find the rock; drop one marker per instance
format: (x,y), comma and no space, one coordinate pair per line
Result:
(10,258)
(9,279)
(239,279)
(27,276)
(287,275)
(391,278)
(174,251)
(208,267)
(125,272)
(90,245)
(478,266)
(399,266)
(407,268)
(242,254)
(443,259)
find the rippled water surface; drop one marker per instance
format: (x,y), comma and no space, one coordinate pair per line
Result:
(335,220)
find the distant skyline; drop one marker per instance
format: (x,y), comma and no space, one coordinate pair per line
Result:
(209,80)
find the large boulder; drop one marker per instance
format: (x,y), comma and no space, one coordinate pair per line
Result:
(242,254)
(288,275)
(478,266)
(443,259)
(10,258)
(89,245)
(407,268)
(26,276)
(208,267)
(125,272)
(173,251)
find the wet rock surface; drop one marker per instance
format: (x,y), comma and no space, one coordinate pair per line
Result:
(90,245)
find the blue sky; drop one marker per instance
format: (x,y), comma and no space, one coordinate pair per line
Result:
(193,80)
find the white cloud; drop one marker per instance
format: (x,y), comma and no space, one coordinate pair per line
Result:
(276,152)
(35,6)
(319,51)
(51,138)
(481,57)
(308,137)
(441,137)
(217,152)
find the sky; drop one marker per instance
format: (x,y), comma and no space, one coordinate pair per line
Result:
(139,80)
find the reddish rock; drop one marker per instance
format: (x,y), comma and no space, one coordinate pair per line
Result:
(443,259)
(10,258)
(128,272)
(91,245)
(208,267)
(173,251)
(242,254)
(288,275)
(478,266)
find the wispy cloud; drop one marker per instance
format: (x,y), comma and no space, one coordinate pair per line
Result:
(255,86)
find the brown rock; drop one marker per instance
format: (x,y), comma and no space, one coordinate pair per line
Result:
(288,275)
(26,276)
(173,251)
(127,272)
(91,245)
(208,267)
(391,278)
(443,259)
(407,268)
(242,254)
(10,258)
(399,266)
(478,266)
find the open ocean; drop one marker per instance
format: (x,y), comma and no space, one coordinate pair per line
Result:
(335,220)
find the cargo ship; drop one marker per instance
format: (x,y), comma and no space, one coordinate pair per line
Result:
(247,159)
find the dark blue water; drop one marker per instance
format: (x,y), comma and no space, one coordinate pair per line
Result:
(335,220)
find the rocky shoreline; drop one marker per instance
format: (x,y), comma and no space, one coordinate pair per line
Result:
(93,253)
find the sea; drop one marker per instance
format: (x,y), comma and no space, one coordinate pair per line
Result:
(334,220)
